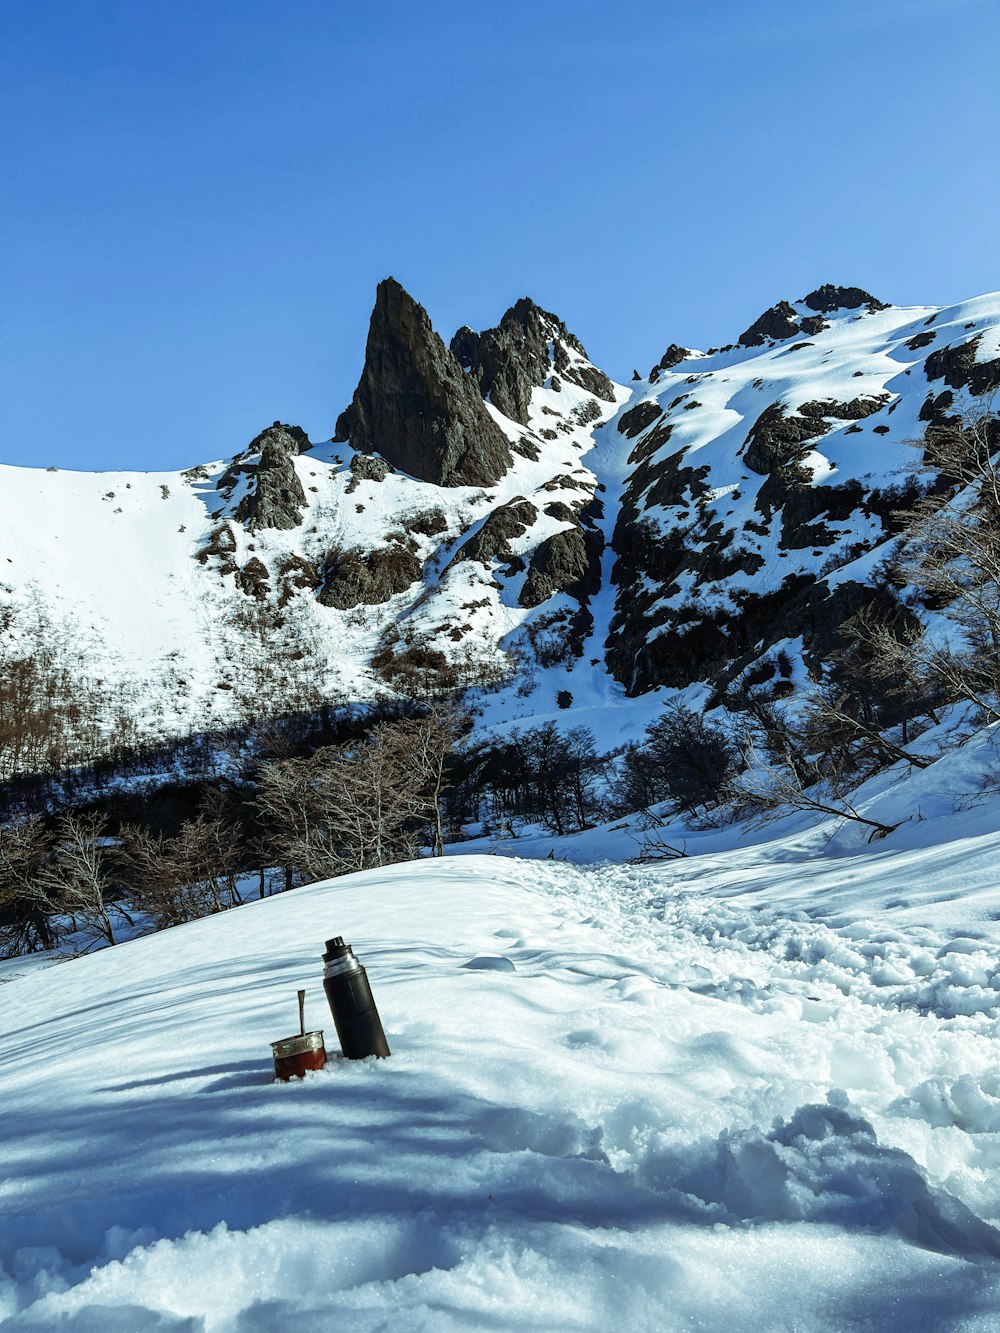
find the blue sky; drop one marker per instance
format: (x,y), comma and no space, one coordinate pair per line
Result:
(200,197)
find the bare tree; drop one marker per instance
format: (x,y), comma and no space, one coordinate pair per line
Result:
(82,880)
(53,711)
(360,804)
(201,860)
(431,741)
(186,877)
(951,556)
(769,786)
(862,715)
(25,908)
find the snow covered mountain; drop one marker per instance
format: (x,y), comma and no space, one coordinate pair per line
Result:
(501,514)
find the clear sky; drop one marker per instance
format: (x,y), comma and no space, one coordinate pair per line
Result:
(199,196)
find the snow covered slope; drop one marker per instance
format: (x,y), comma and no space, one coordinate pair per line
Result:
(727,510)
(674,1111)
(766,477)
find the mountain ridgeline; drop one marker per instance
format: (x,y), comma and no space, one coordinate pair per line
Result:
(497,514)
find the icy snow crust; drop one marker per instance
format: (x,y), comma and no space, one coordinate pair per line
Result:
(735,1091)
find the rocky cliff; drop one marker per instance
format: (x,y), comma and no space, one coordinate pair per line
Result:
(415,406)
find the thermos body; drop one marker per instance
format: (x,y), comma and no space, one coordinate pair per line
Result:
(349,995)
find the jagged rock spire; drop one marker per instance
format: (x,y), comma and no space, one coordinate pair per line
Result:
(509,361)
(415,406)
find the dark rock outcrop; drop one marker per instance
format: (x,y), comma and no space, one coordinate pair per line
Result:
(958,367)
(673,356)
(585,376)
(776,438)
(935,407)
(253,579)
(367,578)
(855,409)
(414,404)
(637,418)
(920,340)
(829,297)
(778,323)
(783,321)
(366,467)
(561,563)
(492,541)
(665,481)
(509,361)
(276,498)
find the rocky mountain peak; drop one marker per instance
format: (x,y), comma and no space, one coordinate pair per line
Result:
(824,300)
(784,321)
(414,405)
(509,361)
(780,321)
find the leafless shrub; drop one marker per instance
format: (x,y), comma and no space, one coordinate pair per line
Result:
(361,804)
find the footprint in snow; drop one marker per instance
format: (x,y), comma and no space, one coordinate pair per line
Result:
(490,962)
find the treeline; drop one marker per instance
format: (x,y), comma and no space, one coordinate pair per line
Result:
(360,803)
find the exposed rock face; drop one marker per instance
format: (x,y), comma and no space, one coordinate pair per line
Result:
(783,321)
(776,438)
(509,361)
(935,407)
(638,418)
(828,298)
(958,367)
(779,322)
(366,467)
(492,540)
(253,579)
(415,406)
(673,356)
(855,409)
(368,578)
(276,498)
(686,609)
(561,563)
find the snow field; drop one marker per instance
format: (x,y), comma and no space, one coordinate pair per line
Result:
(673,1111)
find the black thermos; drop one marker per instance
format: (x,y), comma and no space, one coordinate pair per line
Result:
(345,981)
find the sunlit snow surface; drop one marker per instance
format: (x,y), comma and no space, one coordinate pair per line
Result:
(758,1089)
